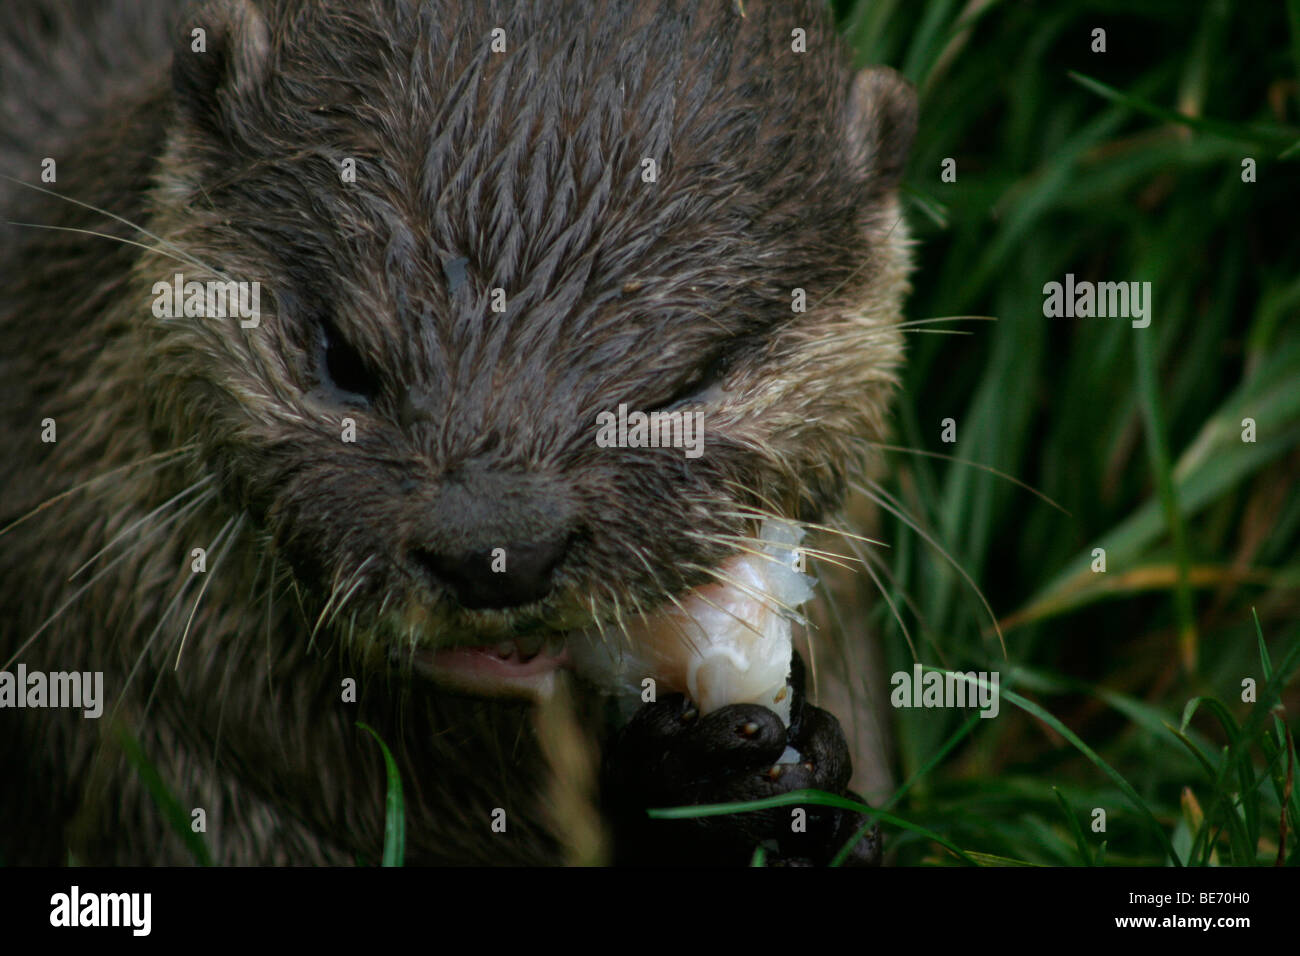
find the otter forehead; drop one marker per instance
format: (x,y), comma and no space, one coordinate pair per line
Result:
(491,223)
(597,172)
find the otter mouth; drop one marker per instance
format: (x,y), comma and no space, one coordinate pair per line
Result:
(523,667)
(721,642)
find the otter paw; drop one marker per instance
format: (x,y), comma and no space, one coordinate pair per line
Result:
(669,755)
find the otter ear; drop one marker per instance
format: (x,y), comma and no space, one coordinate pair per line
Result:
(881,124)
(222,56)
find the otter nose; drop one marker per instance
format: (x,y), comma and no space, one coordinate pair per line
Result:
(506,576)
(492,539)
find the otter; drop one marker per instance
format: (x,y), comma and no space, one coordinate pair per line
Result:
(475,227)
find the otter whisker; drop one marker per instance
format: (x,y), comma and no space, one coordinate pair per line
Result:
(734,540)
(640,610)
(676,624)
(63,607)
(776,510)
(883,498)
(893,608)
(104,235)
(973,464)
(618,616)
(748,512)
(595,619)
(731,614)
(841,532)
(177,250)
(158,457)
(297,592)
(230,658)
(270,613)
(90,583)
(759,596)
(881,567)
(809,524)
(186,581)
(135,524)
(833,557)
(945,318)
(334,593)
(681,630)
(211,573)
(358,577)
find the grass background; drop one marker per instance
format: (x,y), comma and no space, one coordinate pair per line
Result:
(1117,166)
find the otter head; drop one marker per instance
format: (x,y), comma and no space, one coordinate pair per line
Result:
(478,233)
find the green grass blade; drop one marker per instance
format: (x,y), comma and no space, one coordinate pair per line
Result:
(1125,787)
(394,806)
(1149,401)
(1235,760)
(1266,664)
(795,797)
(1273,138)
(990,859)
(177,817)
(1075,828)
(949,745)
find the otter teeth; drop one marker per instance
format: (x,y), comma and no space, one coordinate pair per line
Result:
(526,648)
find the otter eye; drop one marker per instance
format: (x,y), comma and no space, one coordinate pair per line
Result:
(702,385)
(343,367)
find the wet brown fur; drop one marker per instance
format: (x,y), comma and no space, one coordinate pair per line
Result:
(775,172)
